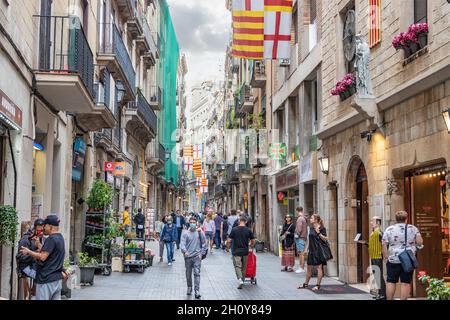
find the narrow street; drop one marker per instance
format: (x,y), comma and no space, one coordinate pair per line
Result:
(218,282)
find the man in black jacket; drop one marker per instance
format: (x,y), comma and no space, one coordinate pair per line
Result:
(179,221)
(139,221)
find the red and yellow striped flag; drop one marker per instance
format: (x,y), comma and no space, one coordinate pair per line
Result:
(374,22)
(248,29)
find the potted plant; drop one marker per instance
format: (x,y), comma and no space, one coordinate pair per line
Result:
(149,254)
(8,225)
(346,87)
(437,289)
(259,246)
(87,267)
(413,40)
(100,196)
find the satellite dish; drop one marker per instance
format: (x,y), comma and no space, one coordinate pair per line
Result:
(349,35)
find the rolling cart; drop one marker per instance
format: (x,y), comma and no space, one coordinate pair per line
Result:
(134,254)
(250,273)
(95,243)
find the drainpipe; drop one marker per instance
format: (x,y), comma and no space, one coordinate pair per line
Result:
(14,204)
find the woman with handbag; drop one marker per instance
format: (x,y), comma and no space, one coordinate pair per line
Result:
(318,251)
(288,244)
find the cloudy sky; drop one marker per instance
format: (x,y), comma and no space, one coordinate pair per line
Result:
(203,31)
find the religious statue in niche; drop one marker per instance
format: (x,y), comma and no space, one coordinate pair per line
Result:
(363,78)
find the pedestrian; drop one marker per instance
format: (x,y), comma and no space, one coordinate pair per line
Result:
(193,246)
(126,219)
(179,222)
(317,239)
(249,220)
(159,229)
(393,245)
(50,267)
(210,228)
(169,235)
(231,220)
(288,244)
(239,239)
(301,235)
(218,221)
(224,231)
(27,265)
(139,221)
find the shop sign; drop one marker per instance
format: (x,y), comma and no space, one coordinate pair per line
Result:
(79,152)
(119,168)
(287,180)
(10,114)
(109,166)
(308,168)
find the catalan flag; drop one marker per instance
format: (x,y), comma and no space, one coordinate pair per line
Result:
(248,29)
(374,22)
(188,151)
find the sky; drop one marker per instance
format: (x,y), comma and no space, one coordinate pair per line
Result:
(203,31)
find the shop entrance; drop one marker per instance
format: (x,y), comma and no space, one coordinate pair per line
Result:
(427,204)
(362,222)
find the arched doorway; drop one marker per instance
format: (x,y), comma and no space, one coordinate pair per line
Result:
(357,215)
(362,222)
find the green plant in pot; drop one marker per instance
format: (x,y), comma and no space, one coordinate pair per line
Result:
(8,225)
(437,289)
(87,267)
(100,196)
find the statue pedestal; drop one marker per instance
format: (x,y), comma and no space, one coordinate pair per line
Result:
(367,107)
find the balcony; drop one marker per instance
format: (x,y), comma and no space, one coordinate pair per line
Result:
(113,54)
(106,140)
(246,99)
(147,45)
(259,75)
(134,23)
(141,120)
(126,8)
(245,172)
(65,73)
(155,156)
(231,176)
(157,40)
(155,98)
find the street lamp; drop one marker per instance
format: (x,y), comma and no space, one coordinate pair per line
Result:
(324,164)
(446,115)
(120,91)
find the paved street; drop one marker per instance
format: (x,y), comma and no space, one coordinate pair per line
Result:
(218,282)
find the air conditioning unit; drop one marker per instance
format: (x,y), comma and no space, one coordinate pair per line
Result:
(285,62)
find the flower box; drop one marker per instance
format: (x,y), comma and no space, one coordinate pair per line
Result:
(415,39)
(346,87)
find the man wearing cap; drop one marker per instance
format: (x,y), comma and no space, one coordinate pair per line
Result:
(32,240)
(50,261)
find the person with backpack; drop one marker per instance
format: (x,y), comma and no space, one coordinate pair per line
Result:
(193,246)
(397,240)
(169,235)
(139,221)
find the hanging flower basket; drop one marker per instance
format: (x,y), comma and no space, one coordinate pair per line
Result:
(413,40)
(346,87)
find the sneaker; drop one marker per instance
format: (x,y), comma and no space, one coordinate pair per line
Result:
(189,291)
(300,270)
(169,264)
(241,284)
(197,295)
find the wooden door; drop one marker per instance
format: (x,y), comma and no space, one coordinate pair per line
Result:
(426,208)
(362,224)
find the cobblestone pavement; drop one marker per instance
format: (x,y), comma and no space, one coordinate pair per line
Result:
(218,282)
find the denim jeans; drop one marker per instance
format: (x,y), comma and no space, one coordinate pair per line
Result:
(217,239)
(169,247)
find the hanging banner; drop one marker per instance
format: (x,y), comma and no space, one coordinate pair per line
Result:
(262,29)
(188,163)
(198,151)
(188,151)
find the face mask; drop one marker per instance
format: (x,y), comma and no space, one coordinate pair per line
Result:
(192,226)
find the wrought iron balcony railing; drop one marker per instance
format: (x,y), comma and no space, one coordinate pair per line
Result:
(162,153)
(63,48)
(110,42)
(145,111)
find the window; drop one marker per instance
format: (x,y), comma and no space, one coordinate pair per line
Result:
(420,11)
(314,102)
(294,27)
(312,11)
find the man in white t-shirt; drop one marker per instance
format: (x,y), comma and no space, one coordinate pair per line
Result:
(393,245)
